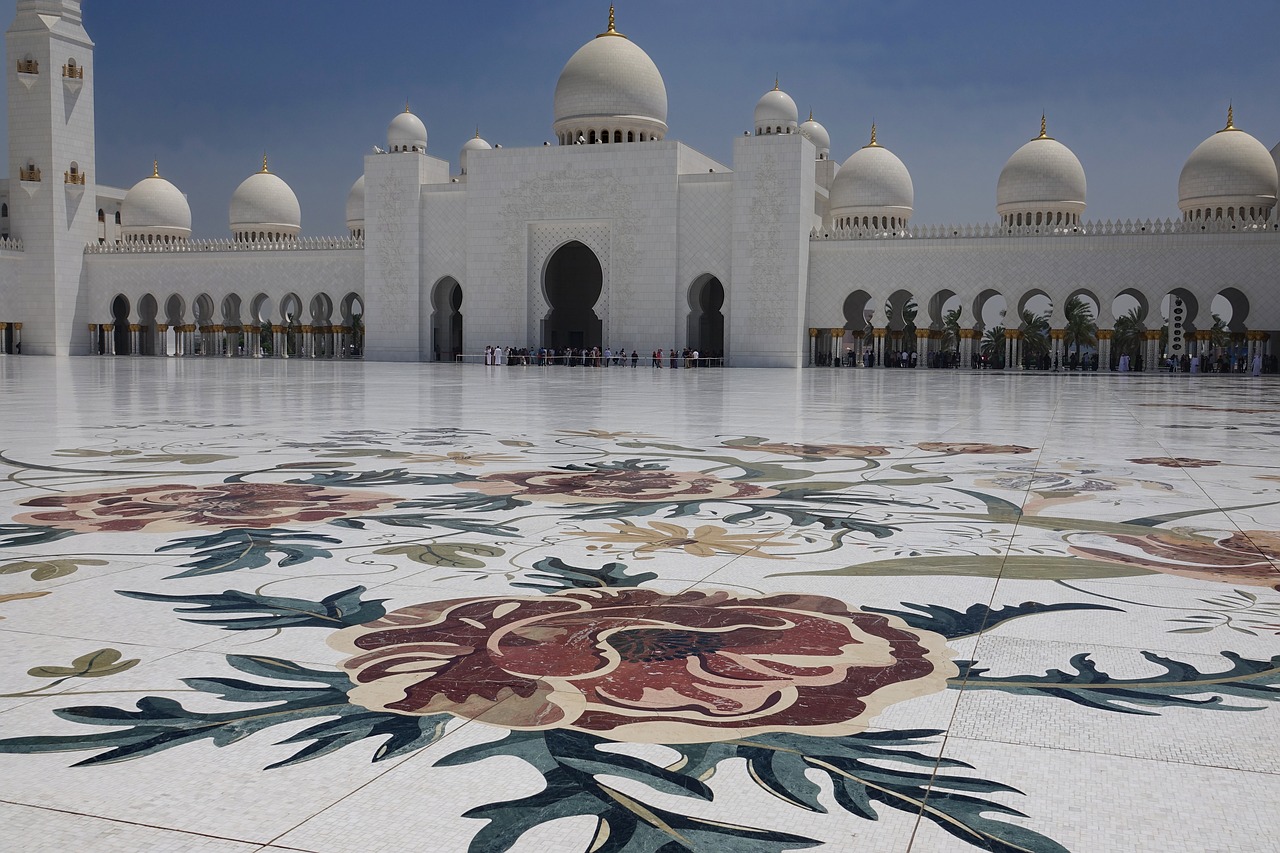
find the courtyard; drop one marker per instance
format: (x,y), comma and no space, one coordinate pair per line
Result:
(251,605)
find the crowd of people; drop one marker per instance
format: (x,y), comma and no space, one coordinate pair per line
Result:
(1071,361)
(497,356)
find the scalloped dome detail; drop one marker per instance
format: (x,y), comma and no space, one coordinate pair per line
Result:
(776,113)
(818,135)
(265,209)
(873,189)
(355,208)
(475,143)
(407,133)
(1228,176)
(610,85)
(154,209)
(1043,183)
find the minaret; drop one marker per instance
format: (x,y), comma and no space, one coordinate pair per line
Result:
(52,195)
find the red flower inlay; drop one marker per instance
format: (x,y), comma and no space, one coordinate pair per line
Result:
(170,507)
(644,666)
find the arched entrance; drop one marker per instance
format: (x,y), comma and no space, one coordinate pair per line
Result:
(120,324)
(148,307)
(446,319)
(706,317)
(572,283)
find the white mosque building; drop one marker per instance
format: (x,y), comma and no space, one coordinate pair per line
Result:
(614,236)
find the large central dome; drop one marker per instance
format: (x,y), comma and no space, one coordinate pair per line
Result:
(610,91)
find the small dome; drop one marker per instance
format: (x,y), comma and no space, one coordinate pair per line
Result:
(355,208)
(612,85)
(407,133)
(1229,171)
(818,135)
(1275,158)
(153,209)
(776,113)
(1043,177)
(263,208)
(872,185)
(475,143)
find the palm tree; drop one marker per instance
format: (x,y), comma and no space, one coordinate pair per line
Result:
(951,330)
(992,345)
(1219,334)
(1128,336)
(1081,330)
(1035,335)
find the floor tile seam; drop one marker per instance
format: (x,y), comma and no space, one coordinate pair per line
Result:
(89,575)
(73,689)
(1097,752)
(1171,653)
(63,635)
(400,762)
(700,582)
(135,823)
(961,688)
(1189,472)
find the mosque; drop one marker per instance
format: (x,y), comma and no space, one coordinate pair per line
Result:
(612,236)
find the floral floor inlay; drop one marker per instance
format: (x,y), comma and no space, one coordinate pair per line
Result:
(346,607)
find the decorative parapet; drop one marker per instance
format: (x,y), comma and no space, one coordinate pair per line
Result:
(1109,228)
(73,72)
(188,247)
(30,174)
(28,66)
(11,244)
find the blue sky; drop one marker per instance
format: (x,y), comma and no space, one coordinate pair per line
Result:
(954,88)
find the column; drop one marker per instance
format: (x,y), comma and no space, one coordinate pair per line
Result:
(162,339)
(17,339)
(837,346)
(922,348)
(1010,349)
(93,339)
(109,338)
(281,346)
(1204,348)
(813,344)
(1057,356)
(966,348)
(878,344)
(1151,362)
(135,338)
(4,348)
(1104,348)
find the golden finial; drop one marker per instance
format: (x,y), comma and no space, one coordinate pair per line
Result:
(1044,127)
(406,105)
(477,131)
(810,113)
(264,162)
(776,78)
(872,143)
(612,31)
(155,168)
(1231,125)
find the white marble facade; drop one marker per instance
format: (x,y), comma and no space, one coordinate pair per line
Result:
(440,264)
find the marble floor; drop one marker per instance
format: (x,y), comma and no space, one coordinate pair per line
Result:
(316,606)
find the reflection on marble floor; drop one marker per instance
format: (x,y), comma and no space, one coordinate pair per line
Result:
(348,607)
